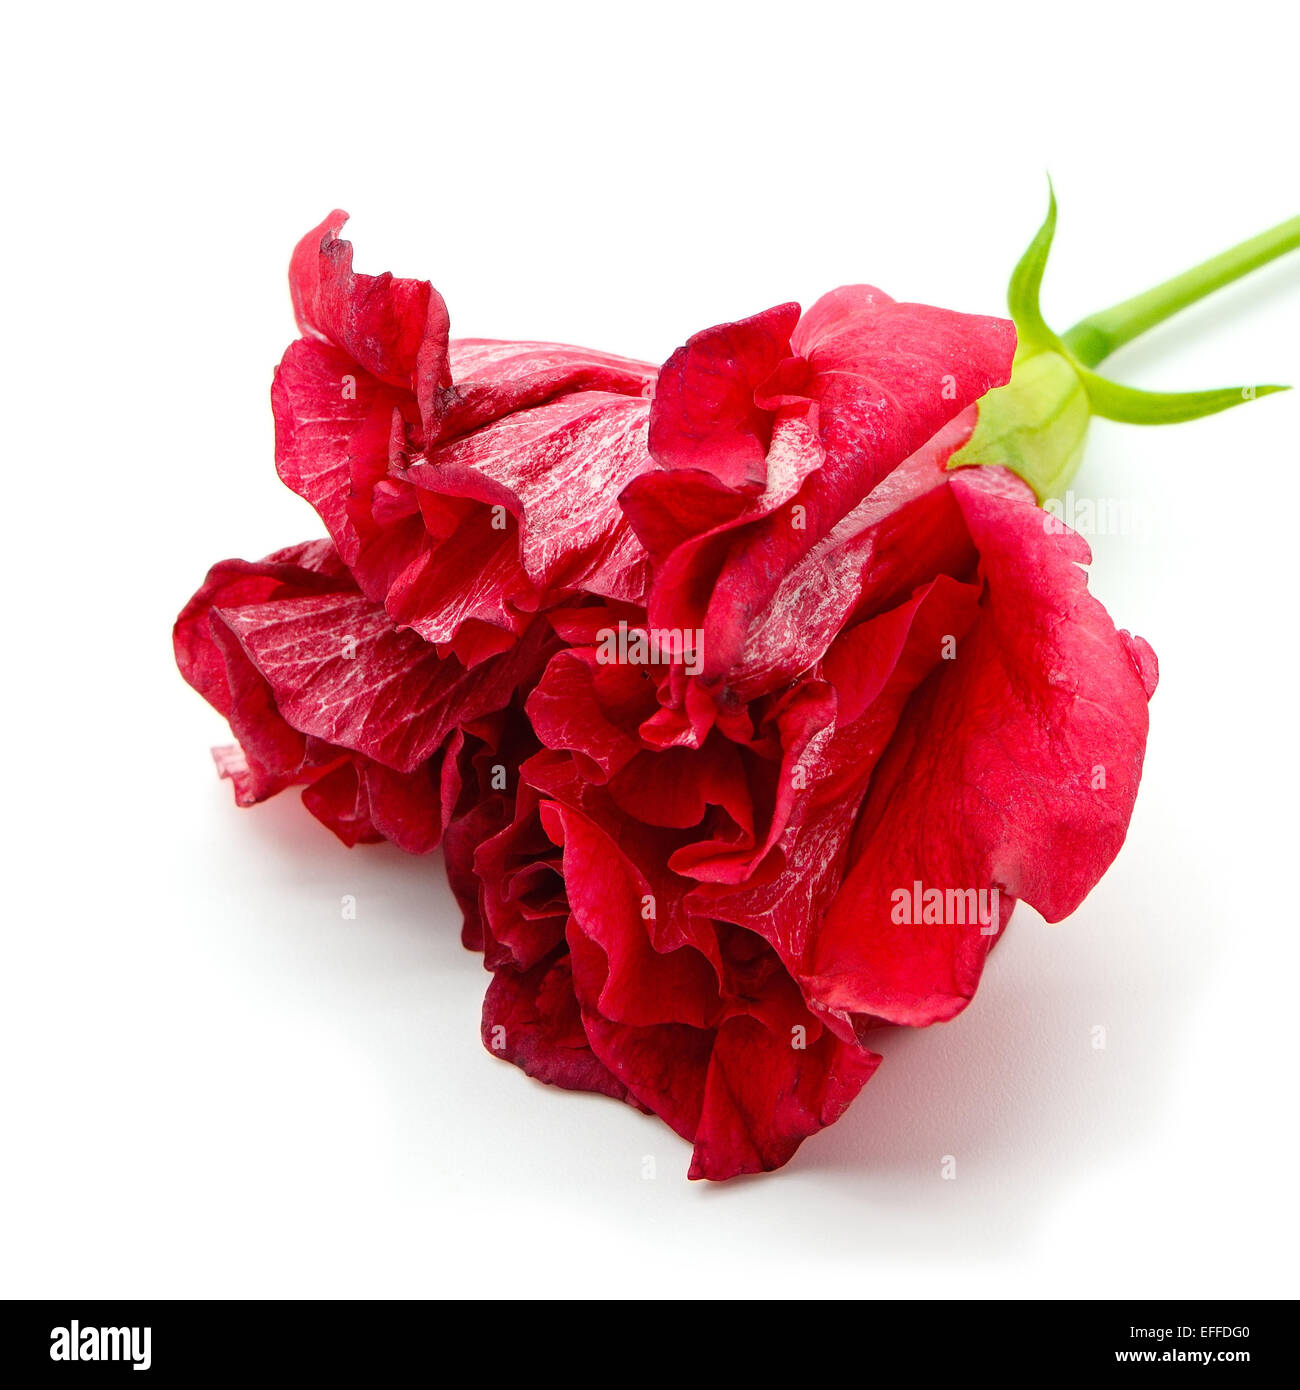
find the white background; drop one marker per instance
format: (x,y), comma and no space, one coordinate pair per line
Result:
(210,1084)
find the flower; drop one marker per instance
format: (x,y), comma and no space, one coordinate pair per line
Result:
(746,696)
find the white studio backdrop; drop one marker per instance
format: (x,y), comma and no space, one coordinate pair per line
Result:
(210,1083)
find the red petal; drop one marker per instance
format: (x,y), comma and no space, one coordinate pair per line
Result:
(333,425)
(310,568)
(763,1096)
(1016,767)
(532,1019)
(494,378)
(341,672)
(557,470)
(908,529)
(704,413)
(394,329)
(592,709)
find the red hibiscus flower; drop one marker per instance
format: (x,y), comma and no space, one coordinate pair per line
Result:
(746,696)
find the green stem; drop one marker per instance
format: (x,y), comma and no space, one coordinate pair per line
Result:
(1097,336)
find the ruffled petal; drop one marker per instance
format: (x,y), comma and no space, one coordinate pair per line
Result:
(495,378)
(333,430)
(705,416)
(397,330)
(1015,769)
(531,1018)
(766,1092)
(340,671)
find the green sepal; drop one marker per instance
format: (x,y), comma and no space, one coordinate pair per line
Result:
(1032,332)
(1035,425)
(1112,401)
